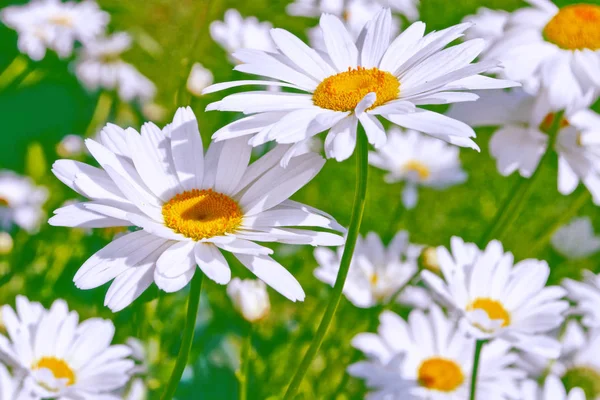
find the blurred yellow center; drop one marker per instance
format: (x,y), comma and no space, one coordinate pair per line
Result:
(493,308)
(416,166)
(548,120)
(3,202)
(200,214)
(575,27)
(59,368)
(441,374)
(343,91)
(61,20)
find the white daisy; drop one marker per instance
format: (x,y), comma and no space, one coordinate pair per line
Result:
(54,25)
(345,8)
(488,25)
(21,202)
(71,146)
(236,32)
(522,139)
(61,358)
(553,389)
(250,298)
(586,295)
(418,160)
(356,82)
(576,239)
(199,79)
(551,47)
(496,299)
(100,66)
(376,272)
(429,358)
(11,387)
(190,206)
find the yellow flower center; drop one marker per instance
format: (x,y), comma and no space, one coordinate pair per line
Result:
(61,20)
(441,374)
(3,202)
(59,368)
(493,308)
(343,91)
(548,120)
(200,214)
(575,27)
(416,166)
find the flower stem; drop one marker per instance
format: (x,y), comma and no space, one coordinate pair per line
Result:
(100,115)
(478,346)
(187,338)
(15,71)
(395,218)
(245,364)
(353,231)
(515,202)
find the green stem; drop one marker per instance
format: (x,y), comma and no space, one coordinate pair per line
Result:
(245,364)
(413,280)
(353,231)
(391,229)
(16,70)
(515,202)
(187,338)
(100,115)
(478,346)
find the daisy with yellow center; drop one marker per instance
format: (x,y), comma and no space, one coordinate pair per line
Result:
(551,47)
(190,207)
(418,160)
(60,358)
(21,202)
(358,82)
(497,299)
(429,357)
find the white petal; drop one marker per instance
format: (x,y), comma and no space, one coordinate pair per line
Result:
(212,263)
(339,43)
(187,149)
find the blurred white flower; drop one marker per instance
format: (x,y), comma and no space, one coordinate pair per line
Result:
(551,47)
(199,79)
(586,295)
(522,139)
(236,32)
(429,358)
(250,298)
(137,390)
(6,244)
(576,239)
(11,387)
(356,82)
(418,160)
(496,299)
(190,206)
(61,358)
(54,25)
(376,272)
(21,202)
(553,389)
(489,25)
(71,146)
(344,8)
(99,66)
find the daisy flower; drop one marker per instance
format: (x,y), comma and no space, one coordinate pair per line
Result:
(54,25)
(236,32)
(376,272)
(522,139)
(199,79)
(418,160)
(250,298)
(100,66)
(11,387)
(21,202)
(71,146)
(496,299)
(488,25)
(341,8)
(356,82)
(586,295)
(553,389)
(551,47)
(61,358)
(190,206)
(428,357)
(576,239)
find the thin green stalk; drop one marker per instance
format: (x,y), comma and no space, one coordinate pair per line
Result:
(413,279)
(353,231)
(515,202)
(245,364)
(478,346)
(187,338)
(15,71)
(100,115)
(393,224)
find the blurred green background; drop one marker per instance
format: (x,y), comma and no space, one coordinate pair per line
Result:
(169,37)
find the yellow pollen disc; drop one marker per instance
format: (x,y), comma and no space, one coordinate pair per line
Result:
(200,214)
(374,279)
(493,308)
(61,20)
(59,368)
(343,91)
(421,169)
(546,124)
(575,27)
(3,202)
(441,374)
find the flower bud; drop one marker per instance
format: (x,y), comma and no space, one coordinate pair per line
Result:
(249,298)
